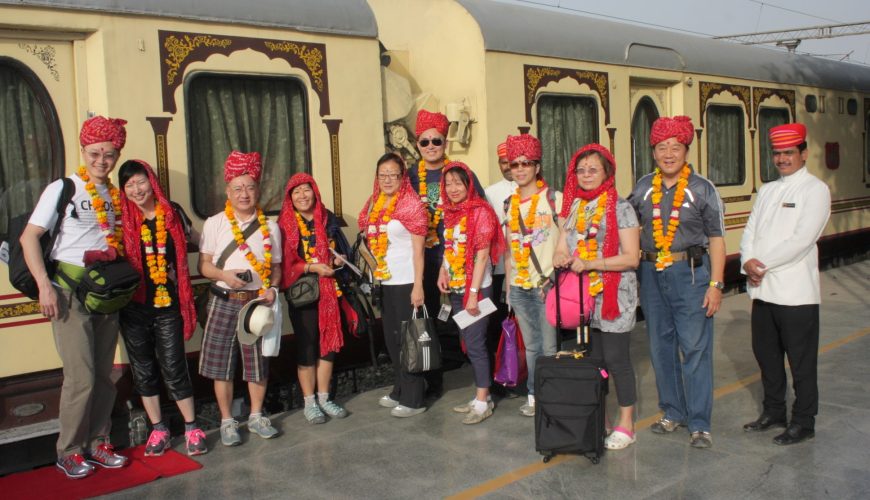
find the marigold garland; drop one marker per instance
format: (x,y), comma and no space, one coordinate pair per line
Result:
(308,248)
(423,188)
(454,252)
(263,269)
(521,244)
(587,244)
(663,241)
(377,234)
(114,238)
(156,260)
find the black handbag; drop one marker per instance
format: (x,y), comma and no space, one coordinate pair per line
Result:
(421,350)
(303,291)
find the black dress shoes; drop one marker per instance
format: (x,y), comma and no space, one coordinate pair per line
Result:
(763,423)
(794,434)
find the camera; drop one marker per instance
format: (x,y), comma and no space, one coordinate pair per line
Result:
(246,276)
(695,255)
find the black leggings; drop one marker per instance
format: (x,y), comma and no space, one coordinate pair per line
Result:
(407,387)
(613,348)
(306,329)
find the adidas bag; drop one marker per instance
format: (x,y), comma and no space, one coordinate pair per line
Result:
(106,287)
(421,350)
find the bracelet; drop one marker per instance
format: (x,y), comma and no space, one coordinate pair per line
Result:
(307,267)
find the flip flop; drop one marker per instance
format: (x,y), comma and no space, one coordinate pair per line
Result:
(619,439)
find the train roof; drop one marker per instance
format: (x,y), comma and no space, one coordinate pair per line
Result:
(545,32)
(343,17)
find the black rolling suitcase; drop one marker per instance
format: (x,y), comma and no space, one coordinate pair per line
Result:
(569,399)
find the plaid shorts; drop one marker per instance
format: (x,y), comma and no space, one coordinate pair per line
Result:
(218,356)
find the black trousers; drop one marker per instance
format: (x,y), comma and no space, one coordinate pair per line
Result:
(431,269)
(407,387)
(778,331)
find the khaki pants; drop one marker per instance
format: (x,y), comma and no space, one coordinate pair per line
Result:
(86,345)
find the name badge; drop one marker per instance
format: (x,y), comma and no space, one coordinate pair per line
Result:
(788,205)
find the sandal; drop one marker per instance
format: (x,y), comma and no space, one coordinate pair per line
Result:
(619,439)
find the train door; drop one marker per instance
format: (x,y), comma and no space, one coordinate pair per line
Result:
(648,103)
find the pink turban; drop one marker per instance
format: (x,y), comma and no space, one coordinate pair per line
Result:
(239,163)
(679,127)
(501,150)
(523,145)
(788,135)
(100,129)
(427,120)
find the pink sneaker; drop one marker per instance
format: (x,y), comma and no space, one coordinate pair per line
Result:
(158,442)
(195,442)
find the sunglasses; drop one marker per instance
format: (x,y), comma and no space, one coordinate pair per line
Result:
(524,163)
(424,143)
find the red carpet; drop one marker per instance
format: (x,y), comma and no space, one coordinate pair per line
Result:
(51,483)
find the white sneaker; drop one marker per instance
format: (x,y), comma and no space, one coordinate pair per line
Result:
(466,407)
(403,411)
(527,410)
(388,402)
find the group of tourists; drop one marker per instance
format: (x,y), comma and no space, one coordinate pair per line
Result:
(432,231)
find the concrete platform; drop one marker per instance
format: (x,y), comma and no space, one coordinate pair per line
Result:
(373,455)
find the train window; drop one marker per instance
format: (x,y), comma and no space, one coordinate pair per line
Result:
(725,158)
(31,146)
(245,113)
(852,106)
(565,123)
(811,103)
(644,116)
(867,145)
(767,119)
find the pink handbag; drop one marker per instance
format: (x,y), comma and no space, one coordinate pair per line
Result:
(567,292)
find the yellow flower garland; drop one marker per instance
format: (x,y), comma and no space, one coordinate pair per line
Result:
(587,244)
(307,249)
(377,234)
(454,252)
(263,269)
(521,245)
(435,218)
(115,239)
(663,242)
(156,261)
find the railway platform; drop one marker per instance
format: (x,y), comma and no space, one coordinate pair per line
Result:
(373,455)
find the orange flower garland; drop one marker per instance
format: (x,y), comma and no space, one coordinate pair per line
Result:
(377,234)
(663,242)
(115,239)
(263,269)
(521,244)
(156,261)
(432,234)
(307,249)
(587,244)
(454,252)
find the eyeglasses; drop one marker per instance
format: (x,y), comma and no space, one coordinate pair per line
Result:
(424,143)
(250,188)
(96,155)
(584,171)
(389,177)
(524,164)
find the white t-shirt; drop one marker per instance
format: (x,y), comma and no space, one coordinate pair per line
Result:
(543,234)
(496,194)
(400,254)
(487,269)
(217,233)
(79,231)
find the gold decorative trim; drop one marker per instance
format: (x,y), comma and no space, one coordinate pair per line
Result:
(736,221)
(537,77)
(311,57)
(842,206)
(179,49)
(759,94)
(707,90)
(19,309)
(737,199)
(45,54)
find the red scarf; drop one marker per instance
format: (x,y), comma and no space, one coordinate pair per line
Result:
(572,191)
(410,211)
(328,317)
(481,226)
(132,218)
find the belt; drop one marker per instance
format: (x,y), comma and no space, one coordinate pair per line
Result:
(651,256)
(240,295)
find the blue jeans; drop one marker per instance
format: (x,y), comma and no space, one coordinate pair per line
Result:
(677,325)
(538,334)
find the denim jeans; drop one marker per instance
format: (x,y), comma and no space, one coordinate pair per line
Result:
(538,334)
(677,325)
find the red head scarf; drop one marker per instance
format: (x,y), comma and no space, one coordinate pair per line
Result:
(328,317)
(239,163)
(410,211)
(100,129)
(523,145)
(132,218)
(482,225)
(679,127)
(788,135)
(427,120)
(572,191)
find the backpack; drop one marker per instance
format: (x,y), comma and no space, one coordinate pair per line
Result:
(19,273)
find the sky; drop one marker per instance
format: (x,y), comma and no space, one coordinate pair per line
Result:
(730,17)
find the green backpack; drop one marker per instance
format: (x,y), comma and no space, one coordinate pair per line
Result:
(105,287)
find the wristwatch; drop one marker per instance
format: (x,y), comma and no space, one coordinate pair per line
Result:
(717,284)
(473,290)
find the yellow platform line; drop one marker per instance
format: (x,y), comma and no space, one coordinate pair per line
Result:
(531,469)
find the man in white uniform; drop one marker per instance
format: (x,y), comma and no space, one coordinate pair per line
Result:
(780,260)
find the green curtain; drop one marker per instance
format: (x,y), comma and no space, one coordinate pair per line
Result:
(767,119)
(725,161)
(266,115)
(642,159)
(27,161)
(565,124)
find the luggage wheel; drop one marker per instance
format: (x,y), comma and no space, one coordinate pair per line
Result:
(547,458)
(594,460)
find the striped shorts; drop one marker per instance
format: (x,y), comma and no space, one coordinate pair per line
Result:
(218,357)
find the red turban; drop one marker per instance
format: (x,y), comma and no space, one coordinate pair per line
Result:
(100,129)
(427,120)
(501,150)
(788,135)
(239,163)
(523,145)
(679,127)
